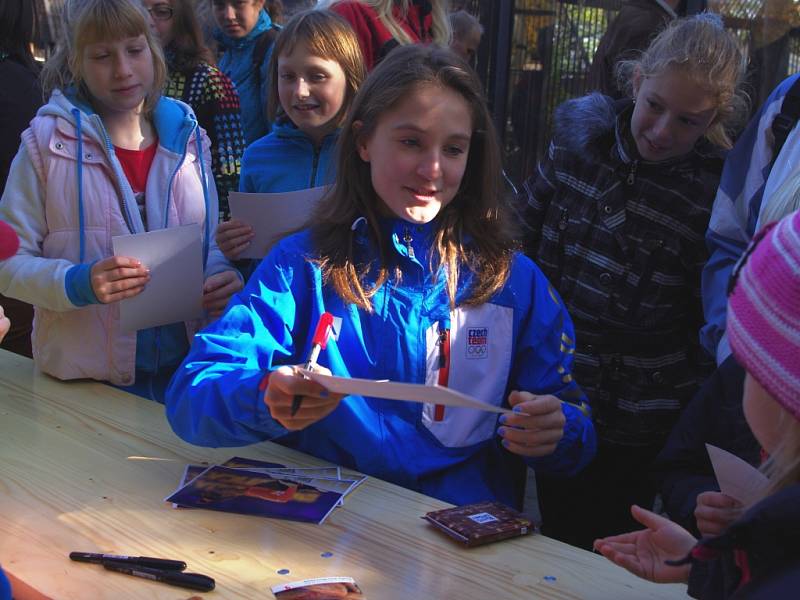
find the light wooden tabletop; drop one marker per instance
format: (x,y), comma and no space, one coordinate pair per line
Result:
(84,466)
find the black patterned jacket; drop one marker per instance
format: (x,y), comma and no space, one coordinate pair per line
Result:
(622,240)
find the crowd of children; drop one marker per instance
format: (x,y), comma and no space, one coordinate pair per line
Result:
(585,316)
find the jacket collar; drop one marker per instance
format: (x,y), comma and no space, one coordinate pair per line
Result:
(173,120)
(286,129)
(263,23)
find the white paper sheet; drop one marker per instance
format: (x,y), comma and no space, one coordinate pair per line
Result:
(175,290)
(272,215)
(737,478)
(390,390)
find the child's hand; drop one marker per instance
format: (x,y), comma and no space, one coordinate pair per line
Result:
(218,289)
(233,237)
(643,552)
(5,324)
(284,385)
(538,428)
(715,511)
(118,277)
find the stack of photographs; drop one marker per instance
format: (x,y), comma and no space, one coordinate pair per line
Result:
(264,489)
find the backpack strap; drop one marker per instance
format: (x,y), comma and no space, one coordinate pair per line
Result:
(263,44)
(784,121)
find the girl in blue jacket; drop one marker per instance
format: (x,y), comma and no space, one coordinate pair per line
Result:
(316,69)
(413,250)
(244,40)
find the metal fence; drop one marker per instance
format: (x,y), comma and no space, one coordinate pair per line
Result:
(536,53)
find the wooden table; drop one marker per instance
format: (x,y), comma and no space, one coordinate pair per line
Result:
(84,466)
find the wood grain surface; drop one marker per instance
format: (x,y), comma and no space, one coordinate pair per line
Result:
(84,466)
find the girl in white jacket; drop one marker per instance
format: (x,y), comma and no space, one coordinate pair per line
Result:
(108,155)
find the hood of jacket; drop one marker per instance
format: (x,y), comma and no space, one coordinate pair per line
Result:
(173,120)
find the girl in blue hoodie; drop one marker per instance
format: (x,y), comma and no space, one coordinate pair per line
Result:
(244,37)
(316,68)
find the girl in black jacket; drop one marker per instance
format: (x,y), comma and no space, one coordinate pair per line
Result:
(758,556)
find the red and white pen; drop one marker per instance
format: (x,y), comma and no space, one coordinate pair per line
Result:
(326,327)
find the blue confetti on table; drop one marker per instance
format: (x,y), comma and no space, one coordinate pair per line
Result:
(283,572)
(549,578)
(326,554)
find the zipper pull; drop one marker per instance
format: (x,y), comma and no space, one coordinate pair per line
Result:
(408,239)
(563,221)
(632,174)
(440,342)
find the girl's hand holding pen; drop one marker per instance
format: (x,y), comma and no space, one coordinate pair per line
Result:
(118,277)
(536,426)
(286,383)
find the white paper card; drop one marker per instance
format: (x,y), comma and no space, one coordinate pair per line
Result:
(272,215)
(175,290)
(737,478)
(390,390)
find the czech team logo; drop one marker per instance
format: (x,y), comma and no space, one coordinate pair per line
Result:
(477,342)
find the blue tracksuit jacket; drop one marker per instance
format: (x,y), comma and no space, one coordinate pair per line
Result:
(522,339)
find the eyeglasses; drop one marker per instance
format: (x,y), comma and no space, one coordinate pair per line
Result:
(161,12)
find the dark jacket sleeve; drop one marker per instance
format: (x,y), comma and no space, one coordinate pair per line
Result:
(683,470)
(534,200)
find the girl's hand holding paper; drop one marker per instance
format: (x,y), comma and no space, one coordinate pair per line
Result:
(536,426)
(118,277)
(233,237)
(284,384)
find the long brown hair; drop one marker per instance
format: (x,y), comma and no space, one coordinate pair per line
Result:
(326,35)
(187,45)
(474,229)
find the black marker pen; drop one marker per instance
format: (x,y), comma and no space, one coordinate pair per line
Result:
(144,561)
(192,581)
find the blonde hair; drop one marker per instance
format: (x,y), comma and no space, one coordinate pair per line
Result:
(91,21)
(710,56)
(783,465)
(784,200)
(440,27)
(328,36)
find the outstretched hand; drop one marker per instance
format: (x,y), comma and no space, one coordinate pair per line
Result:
(317,403)
(644,552)
(536,426)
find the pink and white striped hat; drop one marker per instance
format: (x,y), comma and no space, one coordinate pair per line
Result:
(764,312)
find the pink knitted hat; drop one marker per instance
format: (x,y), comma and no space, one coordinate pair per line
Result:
(764,312)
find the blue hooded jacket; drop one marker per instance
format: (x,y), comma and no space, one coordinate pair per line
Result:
(521,340)
(286,160)
(237,63)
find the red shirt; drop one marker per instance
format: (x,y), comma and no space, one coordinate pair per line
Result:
(375,39)
(136,165)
